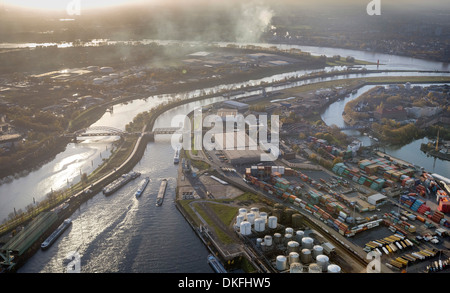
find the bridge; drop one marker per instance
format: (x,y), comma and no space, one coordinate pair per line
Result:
(354,127)
(99,131)
(165,130)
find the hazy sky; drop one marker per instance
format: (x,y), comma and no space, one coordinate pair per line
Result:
(87,4)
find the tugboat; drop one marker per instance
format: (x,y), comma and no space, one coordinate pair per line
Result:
(161,193)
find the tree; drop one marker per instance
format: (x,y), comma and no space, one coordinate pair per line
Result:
(84,179)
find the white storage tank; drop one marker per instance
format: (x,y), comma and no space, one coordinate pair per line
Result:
(293,246)
(323,262)
(294,257)
(268,240)
(263,215)
(258,242)
(255,211)
(251,218)
(299,235)
(295,268)
(317,250)
(260,225)
(246,228)
(307,242)
(281,263)
(289,231)
(287,238)
(273,222)
(334,269)
(239,220)
(277,238)
(243,212)
(305,256)
(314,268)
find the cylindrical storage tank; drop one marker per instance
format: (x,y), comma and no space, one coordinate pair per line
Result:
(268,240)
(251,218)
(293,246)
(323,262)
(287,238)
(317,250)
(296,220)
(273,222)
(295,268)
(288,215)
(307,242)
(246,228)
(334,269)
(305,256)
(260,225)
(243,212)
(277,238)
(288,230)
(255,211)
(278,213)
(279,206)
(294,257)
(264,246)
(281,263)
(263,215)
(258,242)
(299,236)
(314,268)
(239,220)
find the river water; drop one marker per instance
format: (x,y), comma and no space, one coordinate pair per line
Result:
(120,233)
(410,152)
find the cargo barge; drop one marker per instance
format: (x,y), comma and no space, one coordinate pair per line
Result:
(52,238)
(118,183)
(142,186)
(216,265)
(161,193)
(176,158)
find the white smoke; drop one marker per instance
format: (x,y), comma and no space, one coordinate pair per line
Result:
(253,18)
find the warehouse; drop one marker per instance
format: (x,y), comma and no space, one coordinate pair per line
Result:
(376,199)
(238,147)
(241,107)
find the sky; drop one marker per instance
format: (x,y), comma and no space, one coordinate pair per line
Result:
(89,4)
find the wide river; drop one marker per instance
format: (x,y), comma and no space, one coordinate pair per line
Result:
(120,233)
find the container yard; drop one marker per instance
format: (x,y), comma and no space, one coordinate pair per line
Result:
(408,230)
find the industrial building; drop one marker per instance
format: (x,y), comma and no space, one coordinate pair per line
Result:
(238,147)
(241,107)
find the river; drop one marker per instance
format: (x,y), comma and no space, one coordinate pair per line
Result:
(410,152)
(120,233)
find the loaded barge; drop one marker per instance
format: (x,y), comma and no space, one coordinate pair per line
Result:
(161,193)
(119,182)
